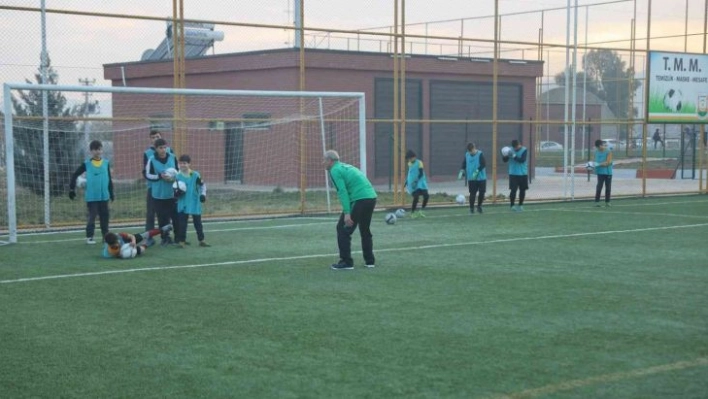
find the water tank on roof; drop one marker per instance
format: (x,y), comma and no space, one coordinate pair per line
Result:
(198,39)
(146,54)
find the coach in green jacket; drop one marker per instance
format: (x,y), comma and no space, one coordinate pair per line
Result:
(358,199)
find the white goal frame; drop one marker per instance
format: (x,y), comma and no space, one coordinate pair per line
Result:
(9,141)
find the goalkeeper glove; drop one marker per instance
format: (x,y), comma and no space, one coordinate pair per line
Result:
(461,174)
(202,198)
(72,194)
(475,175)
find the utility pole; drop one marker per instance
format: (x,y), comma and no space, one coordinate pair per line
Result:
(87,109)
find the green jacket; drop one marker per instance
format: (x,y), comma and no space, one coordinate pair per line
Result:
(351,185)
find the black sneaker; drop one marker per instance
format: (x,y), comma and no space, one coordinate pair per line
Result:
(342,266)
(479,209)
(472,211)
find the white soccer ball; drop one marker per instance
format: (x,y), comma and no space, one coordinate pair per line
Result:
(400,213)
(81,181)
(460,199)
(390,218)
(506,151)
(590,165)
(170,172)
(672,100)
(179,185)
(128,251)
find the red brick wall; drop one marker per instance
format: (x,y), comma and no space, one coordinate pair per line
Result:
(279,70)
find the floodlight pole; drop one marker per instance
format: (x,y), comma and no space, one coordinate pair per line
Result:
(298,23)
(646,103)
(45,117)
(685,29)
(495,82)
(703,126)
(575,101)
(585,77)
(86,112)
(10,166)
(565,102)
(402,109)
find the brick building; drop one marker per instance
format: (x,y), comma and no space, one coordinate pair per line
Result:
(437,88)
(552,107)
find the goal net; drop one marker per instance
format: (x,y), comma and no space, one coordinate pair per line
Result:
(259,152)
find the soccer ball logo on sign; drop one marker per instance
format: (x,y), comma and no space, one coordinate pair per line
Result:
(672,100)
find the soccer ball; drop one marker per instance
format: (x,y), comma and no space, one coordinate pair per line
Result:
(127,251)
(390,218)
(170,172)
(590,165)
(460,199)
(81,182)
(179,188)
(401,213)
(672,100)
(506,151)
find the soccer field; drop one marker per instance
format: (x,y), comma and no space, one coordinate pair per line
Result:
(563,300)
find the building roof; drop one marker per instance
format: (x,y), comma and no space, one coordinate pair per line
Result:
(326,59)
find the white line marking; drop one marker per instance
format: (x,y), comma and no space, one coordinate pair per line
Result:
(601,212)
(334,218)
(282,226)
(286,258)
(603,379)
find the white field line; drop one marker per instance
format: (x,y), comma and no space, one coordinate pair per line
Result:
(211,223)
(282,226)
(600,212)
(333,219)
(603,379)
(312,256)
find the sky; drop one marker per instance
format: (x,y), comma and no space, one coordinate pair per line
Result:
(80,45)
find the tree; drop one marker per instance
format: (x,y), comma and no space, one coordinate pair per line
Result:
(592,86)
(611,80)
(29,142)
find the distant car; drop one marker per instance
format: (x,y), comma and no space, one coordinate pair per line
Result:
(550,146)
(612,144)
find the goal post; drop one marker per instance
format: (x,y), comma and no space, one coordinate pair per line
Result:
(259,152)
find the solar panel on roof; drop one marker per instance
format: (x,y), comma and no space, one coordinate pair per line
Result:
(198,39)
